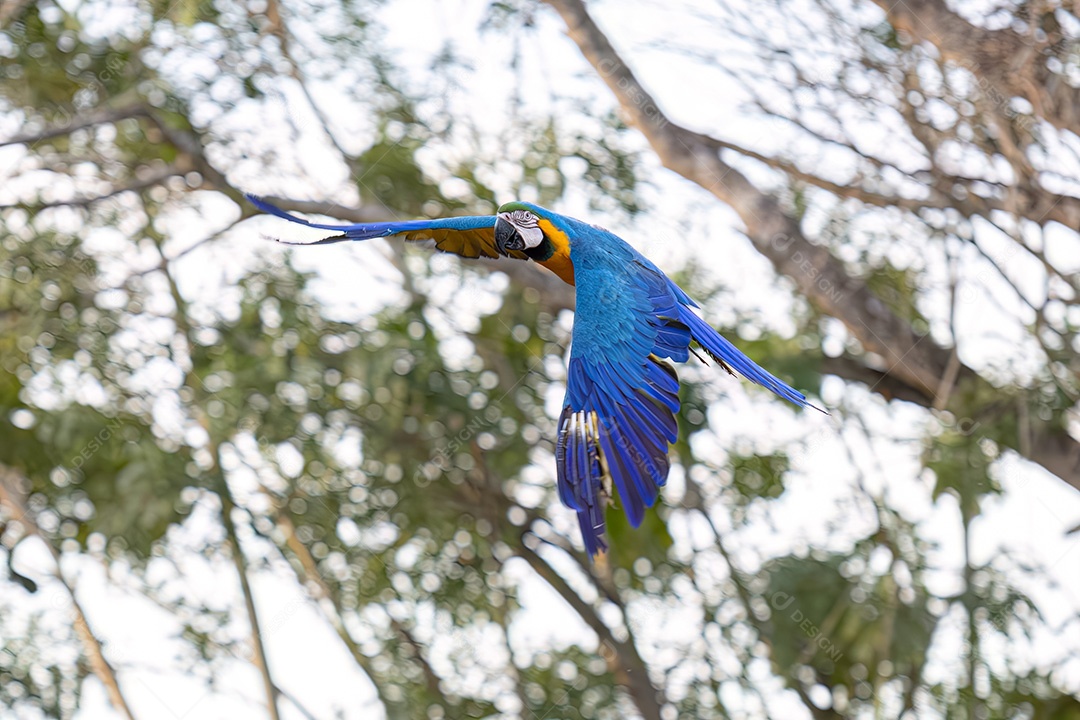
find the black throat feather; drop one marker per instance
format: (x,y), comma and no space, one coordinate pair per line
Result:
(541,252)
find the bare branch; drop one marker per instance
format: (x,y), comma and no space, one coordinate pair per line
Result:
(309,575)
(364,214)
(846,191)
(163,262)
(295,703)
(189,143)
(600,578)
(854,370)
(430,677)
(239,560)
(281,31)
(623,658)
(1032,200)
(77,123)
(1012,63)
(149,181)
(13,496)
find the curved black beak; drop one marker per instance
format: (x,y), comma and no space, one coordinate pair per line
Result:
(507,237)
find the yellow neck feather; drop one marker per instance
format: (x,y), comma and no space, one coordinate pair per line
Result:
(559,262)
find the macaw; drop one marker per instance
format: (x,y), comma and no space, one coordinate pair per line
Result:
(618,417)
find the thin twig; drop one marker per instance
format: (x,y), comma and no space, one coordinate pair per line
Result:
(13,496)
(78,123)
(623,658)
(155,179)
(259,659)
(948,378)
(311,578)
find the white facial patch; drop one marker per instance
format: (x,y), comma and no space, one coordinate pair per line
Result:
(527,226)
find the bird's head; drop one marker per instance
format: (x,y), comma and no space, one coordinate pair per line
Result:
(525,229)
(517,228)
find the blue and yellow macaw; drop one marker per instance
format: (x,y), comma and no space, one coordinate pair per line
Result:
(618,417)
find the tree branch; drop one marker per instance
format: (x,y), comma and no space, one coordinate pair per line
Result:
(295,703)
(888,386)
(309,576)
(855,192)
(281,31)
(431,678)
(258,650)
(78,123)
(150,181)
(623,658)
(1013,64)
(1029,198)
(13,490)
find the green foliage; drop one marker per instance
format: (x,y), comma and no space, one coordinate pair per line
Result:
(758,476)
(96,468)
(885,34)
(845,625)
(651,541)
(897,288)
(570,684)
(387,172)
(960,465)
(30,678)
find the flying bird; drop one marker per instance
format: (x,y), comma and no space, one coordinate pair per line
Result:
(618,418)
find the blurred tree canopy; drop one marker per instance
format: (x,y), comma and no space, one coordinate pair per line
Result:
(192,418)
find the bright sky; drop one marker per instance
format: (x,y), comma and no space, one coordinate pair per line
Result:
(684,223)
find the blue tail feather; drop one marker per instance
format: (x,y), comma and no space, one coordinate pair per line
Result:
(721,349)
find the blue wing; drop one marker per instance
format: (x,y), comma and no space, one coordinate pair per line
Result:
(618,417)
(470,237)
(621,398)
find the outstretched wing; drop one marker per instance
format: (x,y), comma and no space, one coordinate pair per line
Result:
(618,418)
(621,397)
(470,237)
